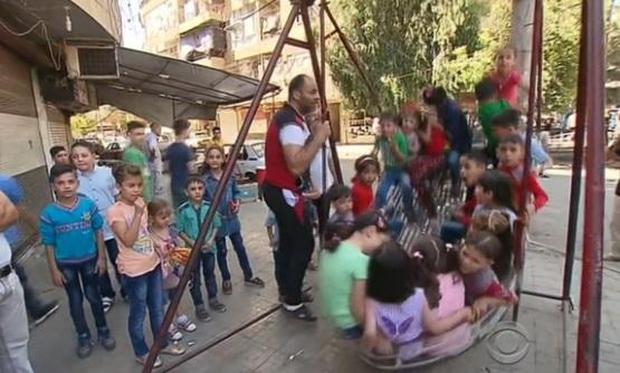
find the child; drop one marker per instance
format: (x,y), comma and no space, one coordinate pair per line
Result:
(489,106)
(442,260)
(507,123)
(402,292)
(394,151)
(511,156)
(190,216)
(138,262)
(71,233)
(473,165)
(409,124)
(59,155)
(97,183)
(166,242)
(343,269)
(505,77)
(135,154)
(179,156)
(367,169)
(339,196)
(229,213)
(482,288)
(272,230)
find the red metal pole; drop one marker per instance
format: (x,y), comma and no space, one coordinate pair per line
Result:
(588,338)
(228,170)
(520,231)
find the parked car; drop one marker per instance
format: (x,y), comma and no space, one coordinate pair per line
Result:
(112,154)
(251,157)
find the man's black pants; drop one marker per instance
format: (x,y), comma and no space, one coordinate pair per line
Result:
(295,246)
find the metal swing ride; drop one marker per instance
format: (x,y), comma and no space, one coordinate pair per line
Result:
(590,105)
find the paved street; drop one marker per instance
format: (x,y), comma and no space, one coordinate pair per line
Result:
(276,344)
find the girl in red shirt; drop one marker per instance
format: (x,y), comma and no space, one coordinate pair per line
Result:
(506,77)
(367,170)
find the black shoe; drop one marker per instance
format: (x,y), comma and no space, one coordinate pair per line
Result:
(107,341)
(216,306)
(45,312)
(84,348)
(255,281)
(302,313)
(306,297)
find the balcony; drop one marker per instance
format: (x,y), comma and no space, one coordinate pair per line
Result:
(238,4)
(210,14)
(215,62)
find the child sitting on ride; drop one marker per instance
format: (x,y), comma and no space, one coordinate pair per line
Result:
(473,165)
(506,77)
(343,269)
(410,120)
(366,171)
(339,197)
(402,293)
(392,144)
(511,158)
(483,290)
(430,161)
(489,106)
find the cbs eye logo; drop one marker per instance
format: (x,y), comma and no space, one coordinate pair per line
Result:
(508,343)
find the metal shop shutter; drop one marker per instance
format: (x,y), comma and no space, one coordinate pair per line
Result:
(16,95)
(58,128)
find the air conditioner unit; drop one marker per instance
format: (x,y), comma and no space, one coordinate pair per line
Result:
(92,61)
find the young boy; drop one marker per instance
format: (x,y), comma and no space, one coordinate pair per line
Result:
(179,156)
(59,154)
(190,216)
(489,106)
(339,196)
(135,154)
(473,165)
(507,123)
(394,149)
(97,183)
(511,156)
(71,233)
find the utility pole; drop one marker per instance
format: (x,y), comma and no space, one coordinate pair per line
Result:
(521,39)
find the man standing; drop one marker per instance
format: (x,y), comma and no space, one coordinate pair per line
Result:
(216,138)
(13,319)
(135,154)
(155,163)
(288,156)
(179,157)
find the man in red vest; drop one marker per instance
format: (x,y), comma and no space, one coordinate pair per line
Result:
(289,151)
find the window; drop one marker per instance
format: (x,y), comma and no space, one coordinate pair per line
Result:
(190,9)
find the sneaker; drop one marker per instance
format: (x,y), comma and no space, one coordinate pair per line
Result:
(301,313)
(107,341)
(227,287)
(45,312)
(142,360)
(107,303)
(174,334)
(173,349)
(255,281)
(202,314)
(185,323)
(84,348)
(217,306)
(306,297)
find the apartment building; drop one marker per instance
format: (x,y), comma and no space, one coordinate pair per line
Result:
(237,36)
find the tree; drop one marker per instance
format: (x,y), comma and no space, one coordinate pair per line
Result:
(81,125)
(401,43)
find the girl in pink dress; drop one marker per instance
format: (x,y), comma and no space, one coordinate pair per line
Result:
(506,77)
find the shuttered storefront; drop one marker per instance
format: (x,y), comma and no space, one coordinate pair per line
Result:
(59,131)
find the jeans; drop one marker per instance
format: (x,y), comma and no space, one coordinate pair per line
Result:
(144,292)
(452,231)
(86,273)
(207,262)
(242,255)
(454,165)
(104,279)
(295,245)
(178,197)
(354,332)
(395,177)
(13,327)
(34,305)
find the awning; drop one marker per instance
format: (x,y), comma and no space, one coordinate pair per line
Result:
(162,89)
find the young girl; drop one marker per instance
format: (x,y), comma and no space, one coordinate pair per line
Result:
(231,226)
(343,268)
(367,170)
(476,258)
(138,262)
(430,161)
(402,292)
(506,77)
(409,125)
(166,242)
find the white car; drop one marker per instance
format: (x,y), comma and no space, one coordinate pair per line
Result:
(251,157)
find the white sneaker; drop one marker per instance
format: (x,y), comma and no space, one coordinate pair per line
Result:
(174,334)
(185,323)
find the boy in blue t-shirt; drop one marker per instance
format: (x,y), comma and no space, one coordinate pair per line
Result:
(71,232)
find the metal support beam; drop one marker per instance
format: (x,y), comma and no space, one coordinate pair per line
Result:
(298,43)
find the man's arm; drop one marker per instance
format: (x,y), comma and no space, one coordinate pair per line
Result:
(298,157)
(8,212)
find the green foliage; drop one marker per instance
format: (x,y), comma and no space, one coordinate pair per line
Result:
(81,125)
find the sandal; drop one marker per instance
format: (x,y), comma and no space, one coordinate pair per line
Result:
(227,287)
(302,313)
(256,281)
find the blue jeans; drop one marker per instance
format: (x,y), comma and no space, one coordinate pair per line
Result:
(207,262)
(84,272)
(242,255)
(454,165)
(452,231)
(144,292)
(395,177)
(354,332)
(105,285)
